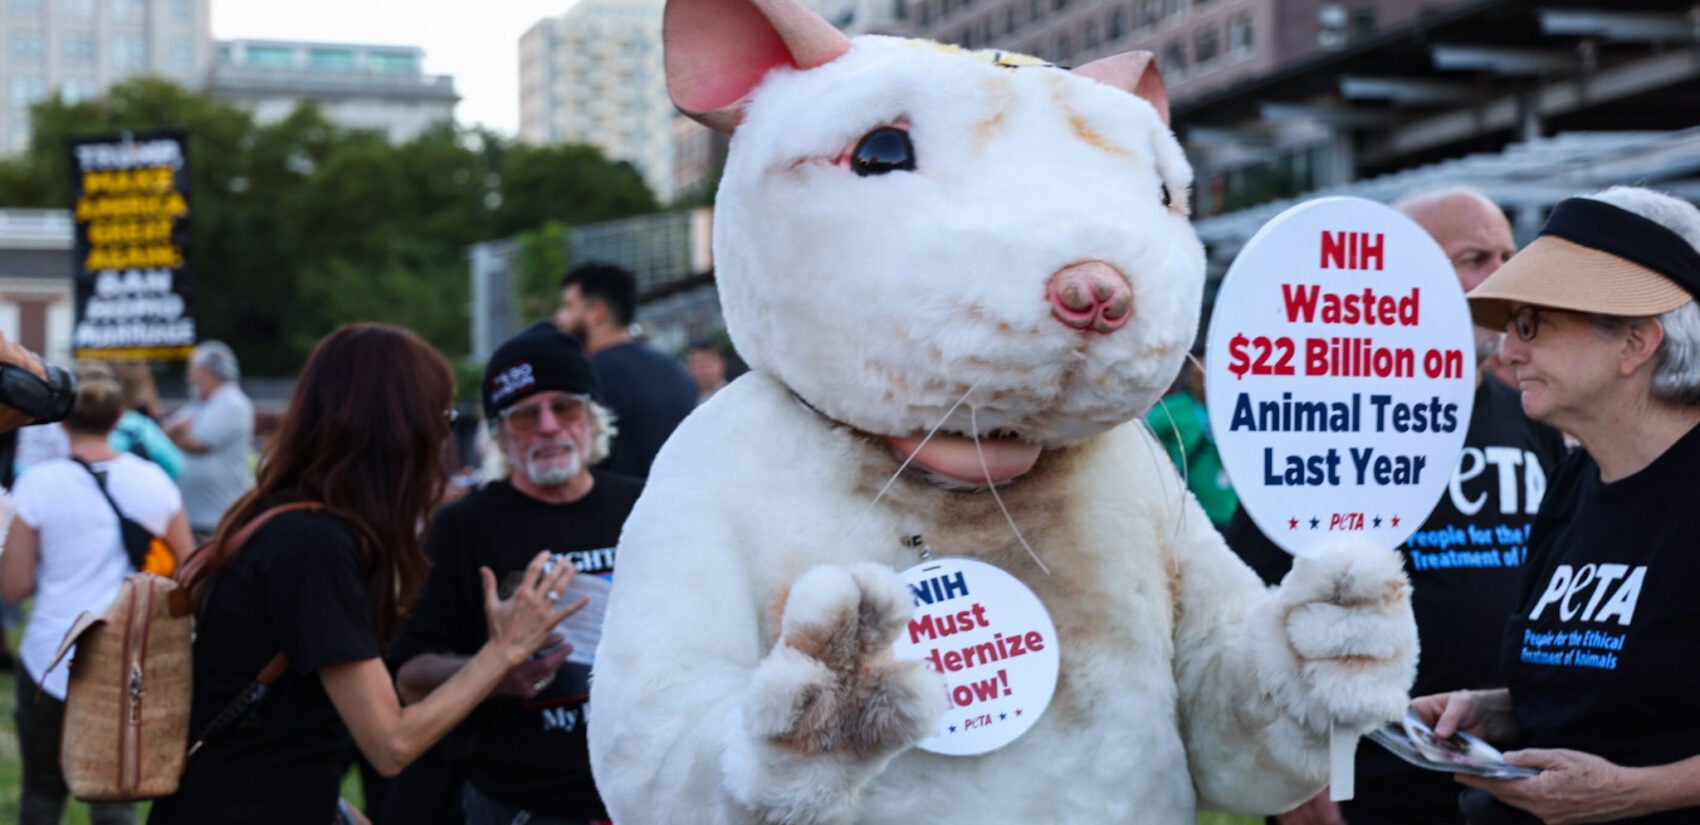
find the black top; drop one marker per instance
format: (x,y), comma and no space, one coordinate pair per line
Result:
(649,394)
(1466,569)
(532,753)
(296,586)
(1601,654)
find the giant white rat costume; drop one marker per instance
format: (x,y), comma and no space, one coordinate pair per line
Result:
(909,238)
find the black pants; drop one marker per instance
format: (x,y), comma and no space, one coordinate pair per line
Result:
(39,718)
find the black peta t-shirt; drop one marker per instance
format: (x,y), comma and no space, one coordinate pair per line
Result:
(531,754)
(1604,654)
(296,586)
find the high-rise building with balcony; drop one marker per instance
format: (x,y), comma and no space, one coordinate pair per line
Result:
(77,48)
(594,76)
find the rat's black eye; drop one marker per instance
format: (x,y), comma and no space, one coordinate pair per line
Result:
(1164,189)
(886,149)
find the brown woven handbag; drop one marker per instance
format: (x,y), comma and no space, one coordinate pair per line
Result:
(131,686)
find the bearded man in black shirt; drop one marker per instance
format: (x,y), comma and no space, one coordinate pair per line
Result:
(524,752)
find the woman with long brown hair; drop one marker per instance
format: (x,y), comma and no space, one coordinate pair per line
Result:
(362,441)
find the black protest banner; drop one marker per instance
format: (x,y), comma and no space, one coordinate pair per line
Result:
(130,201)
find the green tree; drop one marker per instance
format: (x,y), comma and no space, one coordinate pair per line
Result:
(300,225)
(539,259)
(569,183)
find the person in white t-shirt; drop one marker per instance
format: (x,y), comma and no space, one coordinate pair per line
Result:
(65,548)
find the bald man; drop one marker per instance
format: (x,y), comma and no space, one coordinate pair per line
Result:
(1477,240)
(1465,562)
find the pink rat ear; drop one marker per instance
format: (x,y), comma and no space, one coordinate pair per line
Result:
(1134,72)
(718,50)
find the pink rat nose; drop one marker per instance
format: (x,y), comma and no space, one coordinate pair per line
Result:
(1091,296)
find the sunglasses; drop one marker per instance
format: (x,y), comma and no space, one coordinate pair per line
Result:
(565,409)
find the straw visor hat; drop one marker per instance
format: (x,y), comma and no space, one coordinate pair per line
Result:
(1593,257)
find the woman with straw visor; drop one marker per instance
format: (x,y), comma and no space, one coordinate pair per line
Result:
(1603,657)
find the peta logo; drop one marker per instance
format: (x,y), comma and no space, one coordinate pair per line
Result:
(509,381)
(1506,463)
(1593,593)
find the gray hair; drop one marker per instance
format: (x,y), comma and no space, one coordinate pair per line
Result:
(1417,198)
(1676,369)
(494,463)
(217,358)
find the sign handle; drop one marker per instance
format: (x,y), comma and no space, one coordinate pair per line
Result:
(1342,775)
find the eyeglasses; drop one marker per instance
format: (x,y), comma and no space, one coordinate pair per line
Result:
(565,409)
(1525,322)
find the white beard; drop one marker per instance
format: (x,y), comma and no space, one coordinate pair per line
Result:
(553,472)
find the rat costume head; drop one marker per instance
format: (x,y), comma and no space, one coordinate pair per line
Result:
(876,248)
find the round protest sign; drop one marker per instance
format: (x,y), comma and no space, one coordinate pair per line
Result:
(993,642)
(1339,374)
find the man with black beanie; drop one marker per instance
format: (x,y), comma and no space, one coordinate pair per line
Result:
(525,756)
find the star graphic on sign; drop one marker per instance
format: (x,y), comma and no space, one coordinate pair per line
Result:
(1292,524)
(1314,521)
(1395,521)
(1018,711)
(952,728)
(1377,521)
(1003,716)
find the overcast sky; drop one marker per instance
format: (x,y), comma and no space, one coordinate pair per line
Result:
(476,41)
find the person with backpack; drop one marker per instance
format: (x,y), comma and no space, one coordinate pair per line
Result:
(66,547)
(362,441)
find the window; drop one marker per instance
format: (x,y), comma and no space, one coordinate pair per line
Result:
(222,54)
(129,9)
(183,9)
(182,55)
(1010,24)
(1174,58)
(23,7)
(926,15)
(1091,38)
(1119,21)
(1239,34)
(77,89)
(1148,15)
(392,61)
(27,46)
(77,9)
(1208,46)
(1065,48)
(1173,8)
(78,49)
(129,51)
(336,60)
(272,56)
(1035,10)
(27,89)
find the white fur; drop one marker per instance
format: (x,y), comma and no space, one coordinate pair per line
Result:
(879,302)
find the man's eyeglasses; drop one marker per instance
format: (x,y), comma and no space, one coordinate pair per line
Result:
(565,409)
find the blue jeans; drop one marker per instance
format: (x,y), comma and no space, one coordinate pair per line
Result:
(482,810)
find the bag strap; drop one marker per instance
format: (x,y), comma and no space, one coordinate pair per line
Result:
(181,600)
(190,572)
(244,701)
(100,481)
